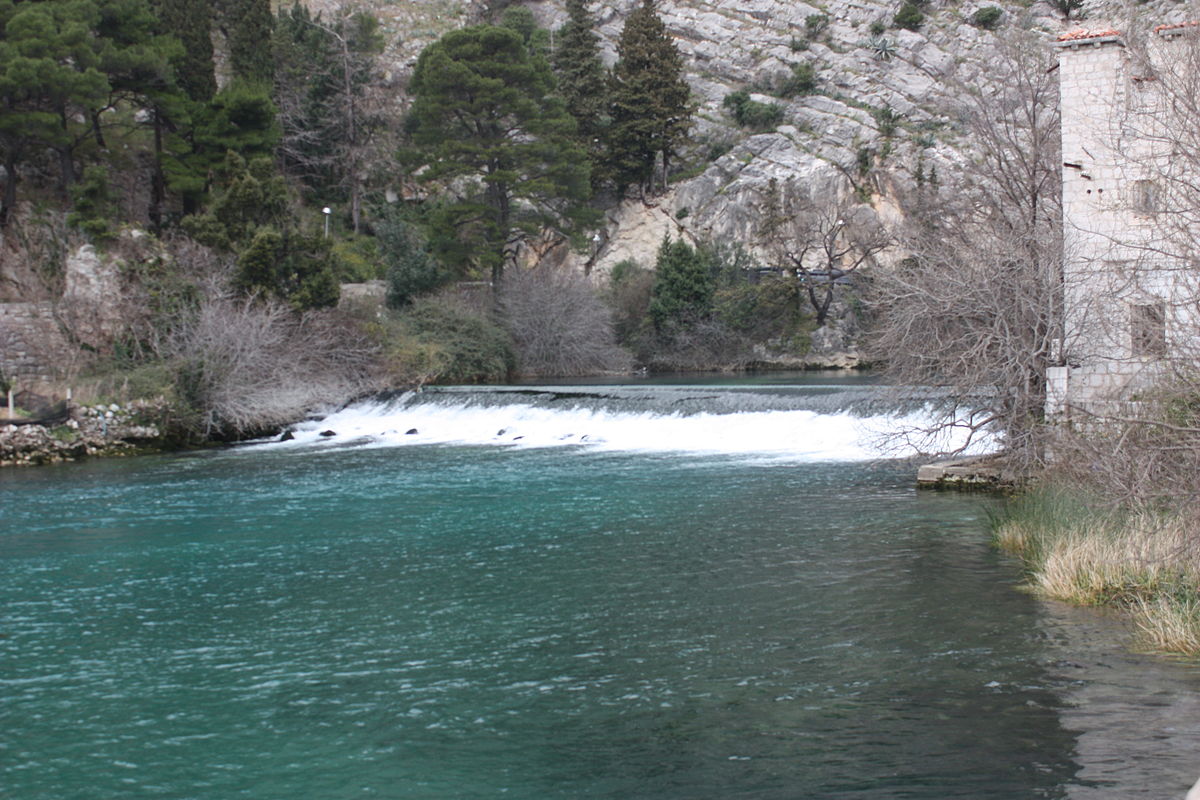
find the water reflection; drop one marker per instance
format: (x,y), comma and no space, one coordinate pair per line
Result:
(1135,717)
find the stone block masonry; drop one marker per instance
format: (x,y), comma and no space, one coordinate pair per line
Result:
(31,343)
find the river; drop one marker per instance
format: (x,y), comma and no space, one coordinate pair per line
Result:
(647,591)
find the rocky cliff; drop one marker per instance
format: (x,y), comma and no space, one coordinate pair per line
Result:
(882,109)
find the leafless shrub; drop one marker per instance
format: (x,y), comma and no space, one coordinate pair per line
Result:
(246,366)
(629,292)
(1147,457)
(558,324)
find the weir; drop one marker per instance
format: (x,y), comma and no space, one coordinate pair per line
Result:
(803,422)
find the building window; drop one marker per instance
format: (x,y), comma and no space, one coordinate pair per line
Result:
(1145,197)
(1148,329)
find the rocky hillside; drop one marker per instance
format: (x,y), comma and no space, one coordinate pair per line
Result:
(881,109)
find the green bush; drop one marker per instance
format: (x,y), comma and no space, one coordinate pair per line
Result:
(987,18)
(629,289)
(356,260)
(751,113)
(770,310)
(878,28)
(887,120)
(473,348)
(802,81)
(94,204)
(909,17)
(815,25)
(293,267)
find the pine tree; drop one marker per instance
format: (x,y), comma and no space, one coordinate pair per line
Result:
(484,120)
(650,103)
(582,81)
(49,80)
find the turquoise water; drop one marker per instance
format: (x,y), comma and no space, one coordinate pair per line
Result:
(440,620)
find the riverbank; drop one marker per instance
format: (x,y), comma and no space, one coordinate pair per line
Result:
(76,432)
(1146,565)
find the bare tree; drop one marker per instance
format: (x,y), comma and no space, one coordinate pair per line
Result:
(975,311)
(824,239)
(558,323)
(333,108)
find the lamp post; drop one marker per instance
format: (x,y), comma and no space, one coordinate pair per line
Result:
(326,211)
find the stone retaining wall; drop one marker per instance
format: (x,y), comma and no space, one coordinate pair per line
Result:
(30,342)
(88,431)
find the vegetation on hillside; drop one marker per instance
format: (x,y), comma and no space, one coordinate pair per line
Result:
(265,170)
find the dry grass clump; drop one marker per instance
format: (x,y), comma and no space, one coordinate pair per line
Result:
(1170,623)
(1146,563)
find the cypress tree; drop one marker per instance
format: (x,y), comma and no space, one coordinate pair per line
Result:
(190,21)
(248,25)
(683,286)
(650,103)
(582,82)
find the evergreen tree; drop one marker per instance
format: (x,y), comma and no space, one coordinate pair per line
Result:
(190,21)
(250,216)
(683,285)
(650,103)
(411,270)
(582,81)
(484,120)
(247,26)
(50,84)
(521,20)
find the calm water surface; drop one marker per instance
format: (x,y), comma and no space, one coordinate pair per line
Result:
(476,621)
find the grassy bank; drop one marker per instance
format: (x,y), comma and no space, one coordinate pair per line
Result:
(1077,550)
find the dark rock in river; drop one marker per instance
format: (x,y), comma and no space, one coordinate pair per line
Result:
(328,433)
(287,436)
(410,431)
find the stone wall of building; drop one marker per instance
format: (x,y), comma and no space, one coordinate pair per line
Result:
(1129,303)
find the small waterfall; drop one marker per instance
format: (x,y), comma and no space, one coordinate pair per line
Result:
(792,423)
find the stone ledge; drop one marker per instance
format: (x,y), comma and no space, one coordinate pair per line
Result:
(968,473)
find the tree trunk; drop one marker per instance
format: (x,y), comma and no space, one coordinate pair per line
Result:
(66,160)
(157,182)
(10,187)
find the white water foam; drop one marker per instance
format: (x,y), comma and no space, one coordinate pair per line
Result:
(795,435)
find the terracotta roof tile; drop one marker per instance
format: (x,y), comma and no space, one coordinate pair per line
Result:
(1177,25)
(1082,34)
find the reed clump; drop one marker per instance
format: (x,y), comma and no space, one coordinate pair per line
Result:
(1077,550)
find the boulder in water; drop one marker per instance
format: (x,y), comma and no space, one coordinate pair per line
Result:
(328,433)
(287,436)
(502,431)
(410,431)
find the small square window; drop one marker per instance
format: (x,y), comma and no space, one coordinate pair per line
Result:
(1145,197)
(1148,329)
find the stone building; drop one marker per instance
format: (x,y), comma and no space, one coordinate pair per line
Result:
(1129,218)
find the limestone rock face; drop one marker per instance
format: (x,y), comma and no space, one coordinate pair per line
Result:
(92,297)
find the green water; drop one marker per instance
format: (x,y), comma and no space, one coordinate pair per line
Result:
(438,621)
